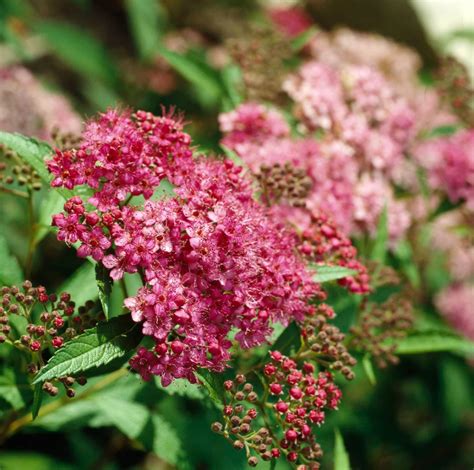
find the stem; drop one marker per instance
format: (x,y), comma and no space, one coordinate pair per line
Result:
(14,192)
(32,233)
(19,423)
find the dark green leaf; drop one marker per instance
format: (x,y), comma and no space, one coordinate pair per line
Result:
(37,399)
(104,284)
(80,51)
(10,392)
(10,271)
(289,341)
(326,273)
(341,457)
(95,347)
(166,442)
(213,383)
(443,131)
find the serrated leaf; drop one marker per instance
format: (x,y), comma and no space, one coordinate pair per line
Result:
(81,284)
(94,348)
(369,369)
(213,383)
(146,19)
(79,50)
(379,250)
(10,271)
(341,457)
(326,273)
(104,284)
(166,442)
(428,343)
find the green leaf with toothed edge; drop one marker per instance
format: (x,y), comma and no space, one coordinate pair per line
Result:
(95,347)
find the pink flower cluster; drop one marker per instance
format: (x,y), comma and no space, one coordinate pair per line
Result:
(455,304)
(29,108)
(351,186)
(123,156)
(211,259)
(450,165)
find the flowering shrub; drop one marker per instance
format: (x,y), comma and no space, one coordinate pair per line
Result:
(275,283)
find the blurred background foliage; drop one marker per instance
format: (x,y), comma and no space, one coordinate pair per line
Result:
(150,53)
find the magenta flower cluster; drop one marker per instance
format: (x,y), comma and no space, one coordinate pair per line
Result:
(210,258)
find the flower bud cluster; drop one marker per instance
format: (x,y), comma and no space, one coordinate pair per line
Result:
(380,326)
(14,171)
(295,398)
(260,52)
(325,342)
(454,86)
(283,184)
(51,321)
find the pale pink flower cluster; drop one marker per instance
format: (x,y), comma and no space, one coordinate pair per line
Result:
(449,162)
(27,107)
(211,259)
(456,304)
(345,186)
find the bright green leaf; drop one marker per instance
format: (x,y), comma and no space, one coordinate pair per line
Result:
(427,343)
(325,273)
(303,38)
(182,388)
(166,442)
(95,347)
(81,284)
(341,457)
(52,204)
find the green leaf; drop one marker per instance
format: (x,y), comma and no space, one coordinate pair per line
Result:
(127,416)
(31,461)
(379,250)
(466,34)
(79,50)
(10,392)
(205,80)
(341,457)
(81,284)
(404,253)
(289,340)
(213,383)
(95,347)
(146,19)
(10,271)
(32,151)
(37,400)
(443,131)
(369,369)
(303,38)
(166,442)
(104,284)
(325,273)
(182,388)
(436,342)
(52,204)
